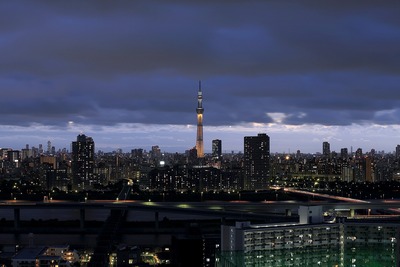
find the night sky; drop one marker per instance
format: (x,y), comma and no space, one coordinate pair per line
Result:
(126,73)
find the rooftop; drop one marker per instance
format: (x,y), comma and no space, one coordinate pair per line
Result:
(29,253)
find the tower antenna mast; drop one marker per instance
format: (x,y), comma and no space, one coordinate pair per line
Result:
(199,111)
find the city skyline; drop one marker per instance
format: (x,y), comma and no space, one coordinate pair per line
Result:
(126,74)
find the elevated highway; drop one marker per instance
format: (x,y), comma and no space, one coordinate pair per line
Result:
(205,207)
(235,209)
(241,210)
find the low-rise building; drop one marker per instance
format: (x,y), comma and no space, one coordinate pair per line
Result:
(53,256)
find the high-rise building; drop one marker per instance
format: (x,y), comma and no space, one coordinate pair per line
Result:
(192,155)
(137,154)
(344,154)
(359,153)
(200,110)
(359,167)
(256,161)
(48,147)
(155,153)
(397,151)
(26,153)
(372,152)
(326,149)
(369,175)
(35,152)
(83,162)
(298,154)
(216,149)
(14,157)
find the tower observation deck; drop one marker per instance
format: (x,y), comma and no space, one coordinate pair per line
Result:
(199,111)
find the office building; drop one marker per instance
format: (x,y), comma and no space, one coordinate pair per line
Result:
(26,152)
(359,153)
(13,156)
(344,154)
(192,155)
(216,149)
(256,161)
(199,111)
(155,153)
(347,173)
(397,151)
(137,155)
(48,147)
(83,162)
(369,174)
(326,149)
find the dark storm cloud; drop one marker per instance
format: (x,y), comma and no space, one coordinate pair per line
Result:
(103,62)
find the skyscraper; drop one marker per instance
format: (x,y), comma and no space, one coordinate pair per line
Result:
(199,110)
(326,149)
(216,149)
(48,147)
(83,162)
(13,156)
(256,161)
(359,153)
(344,154)
(155,153)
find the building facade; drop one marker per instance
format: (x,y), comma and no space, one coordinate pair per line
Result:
(256,161)
(83,162)
(326,149)
(216,149)
(341,243)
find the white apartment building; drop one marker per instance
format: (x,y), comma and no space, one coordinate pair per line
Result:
(311,242)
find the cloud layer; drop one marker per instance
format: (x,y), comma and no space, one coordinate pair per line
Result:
(106,63)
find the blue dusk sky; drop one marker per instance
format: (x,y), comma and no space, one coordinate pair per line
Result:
(126,73)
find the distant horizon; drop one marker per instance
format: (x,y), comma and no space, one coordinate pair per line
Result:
(233,143)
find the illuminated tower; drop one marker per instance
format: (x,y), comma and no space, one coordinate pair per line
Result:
(199,110)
